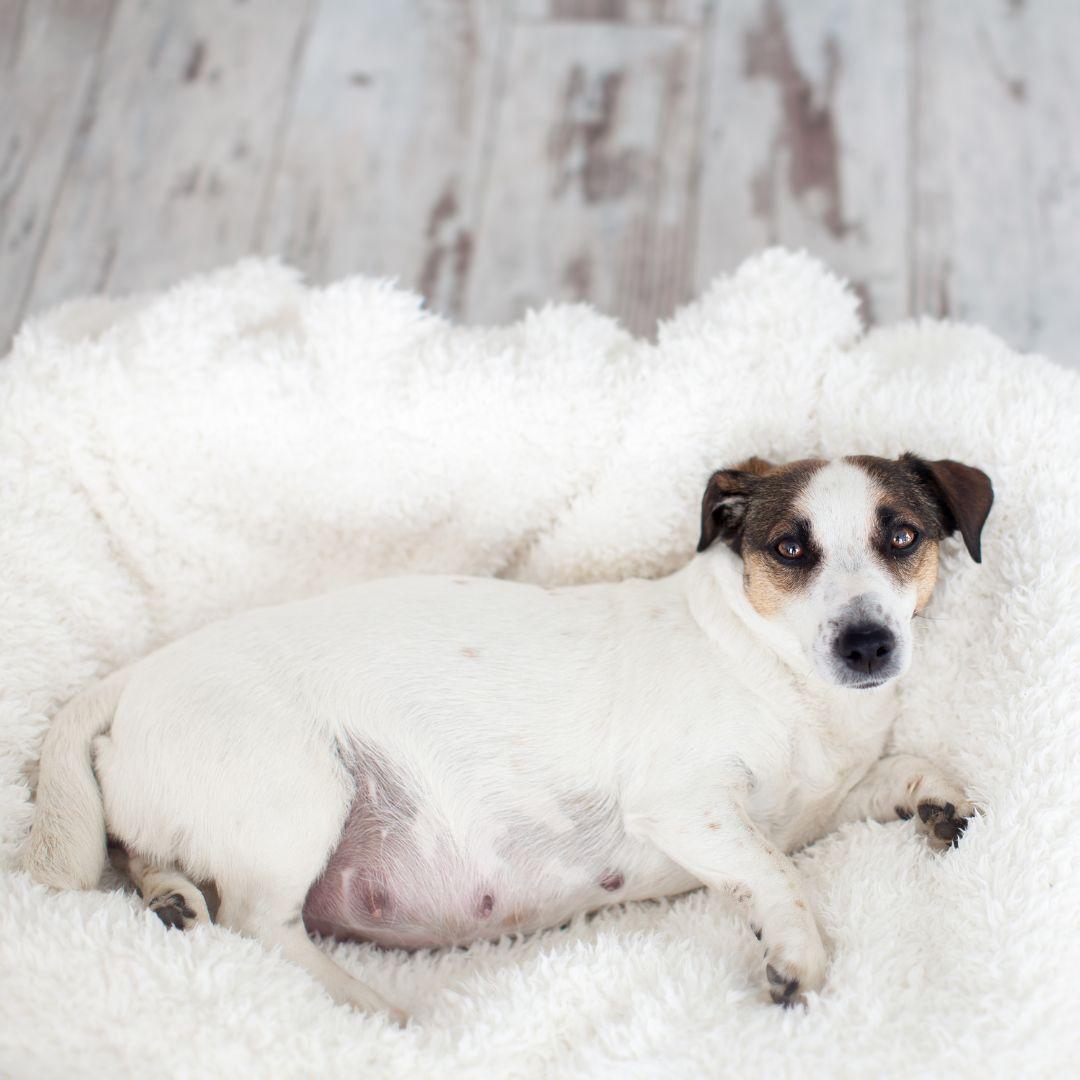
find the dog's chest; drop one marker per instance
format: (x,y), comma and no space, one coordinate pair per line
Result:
(829,747)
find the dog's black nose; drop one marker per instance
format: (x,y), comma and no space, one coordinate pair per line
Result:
(866,647)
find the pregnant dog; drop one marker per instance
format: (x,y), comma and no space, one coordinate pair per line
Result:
(427,761)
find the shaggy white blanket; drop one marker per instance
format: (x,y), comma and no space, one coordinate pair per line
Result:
(241,439)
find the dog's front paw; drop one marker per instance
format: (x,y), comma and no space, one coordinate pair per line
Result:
(943,823)
(942,820)
(793,972)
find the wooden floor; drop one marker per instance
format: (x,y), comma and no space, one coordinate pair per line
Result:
(495,154)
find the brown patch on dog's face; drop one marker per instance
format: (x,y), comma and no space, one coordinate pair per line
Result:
(912,496)
(744,504)
(766,588)
(906,506)
(841,554)
(768,518)
(925,574)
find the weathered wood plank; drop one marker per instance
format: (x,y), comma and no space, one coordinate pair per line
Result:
(807,141)
(996,202)
(49,52)
(167,175)
(382,161)
(588,197)
(629,11)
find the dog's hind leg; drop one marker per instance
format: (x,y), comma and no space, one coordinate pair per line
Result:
(280,925)
(175,899)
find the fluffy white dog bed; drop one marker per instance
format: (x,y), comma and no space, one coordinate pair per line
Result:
(241,439)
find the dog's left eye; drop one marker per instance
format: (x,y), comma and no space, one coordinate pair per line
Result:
(789,549)
(903,538)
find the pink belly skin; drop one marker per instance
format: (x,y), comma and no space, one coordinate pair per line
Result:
(378,885)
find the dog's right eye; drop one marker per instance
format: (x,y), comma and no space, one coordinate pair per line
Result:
(790,549)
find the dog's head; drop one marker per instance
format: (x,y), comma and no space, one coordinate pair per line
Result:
(844,553)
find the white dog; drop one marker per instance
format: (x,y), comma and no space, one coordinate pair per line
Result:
(426,761)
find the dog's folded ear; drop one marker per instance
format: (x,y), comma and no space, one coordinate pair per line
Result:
(963,493)
(723,508)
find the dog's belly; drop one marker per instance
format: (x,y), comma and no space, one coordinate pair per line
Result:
(415,876)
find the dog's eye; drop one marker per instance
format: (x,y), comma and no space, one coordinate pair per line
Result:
(789,549)
(903,538)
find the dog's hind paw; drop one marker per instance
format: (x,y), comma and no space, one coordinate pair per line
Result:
(783,989)
(178,911)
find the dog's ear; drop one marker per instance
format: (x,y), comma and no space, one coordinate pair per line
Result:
(963,493)
(723,508)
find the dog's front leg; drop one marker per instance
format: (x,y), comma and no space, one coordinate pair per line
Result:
(717,843)
(905,786)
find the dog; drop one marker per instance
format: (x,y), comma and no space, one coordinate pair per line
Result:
(427,761)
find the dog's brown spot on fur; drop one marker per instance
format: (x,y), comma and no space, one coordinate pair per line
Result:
(468,650)
(765,584)
(756,504)
(612,882)
(743,505)
(713,825)
(924,573)
(740,894)
(487,905)
(756,466)
(936,497)
(800,904)
(776,492)
(517,918)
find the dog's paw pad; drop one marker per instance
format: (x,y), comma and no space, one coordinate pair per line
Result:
(174,911)
(942,823)
(782,989)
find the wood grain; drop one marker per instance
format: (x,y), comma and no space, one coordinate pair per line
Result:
(589,194)
(167,172)
(498,154)
(382,166)
(49,57)
(628,11)
(807,141)
(996,197)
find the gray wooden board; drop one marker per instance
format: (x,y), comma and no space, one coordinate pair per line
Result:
(49,56)
(167,175)
(996,221)
(632,11)
(807,141)
(592,171)
(382,165)
(497,154)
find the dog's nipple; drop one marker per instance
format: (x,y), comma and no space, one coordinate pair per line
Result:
(612,882)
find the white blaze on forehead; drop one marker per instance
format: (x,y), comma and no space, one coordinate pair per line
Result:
(840,502)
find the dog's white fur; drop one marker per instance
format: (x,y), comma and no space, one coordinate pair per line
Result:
(540,751)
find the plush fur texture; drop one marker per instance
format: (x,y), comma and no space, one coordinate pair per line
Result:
(242,440)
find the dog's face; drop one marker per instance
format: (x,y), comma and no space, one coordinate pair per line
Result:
(844,553)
